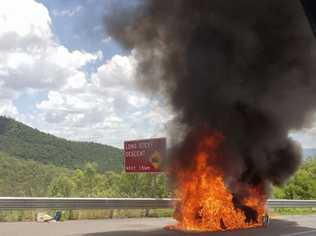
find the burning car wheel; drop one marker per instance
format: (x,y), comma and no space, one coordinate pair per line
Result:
(265,220)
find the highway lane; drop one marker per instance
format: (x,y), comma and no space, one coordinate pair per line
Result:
(282,226)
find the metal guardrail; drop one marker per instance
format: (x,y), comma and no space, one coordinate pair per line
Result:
(280,203)
(11,203)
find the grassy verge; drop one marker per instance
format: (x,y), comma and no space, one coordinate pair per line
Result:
(294,211)
(29,215)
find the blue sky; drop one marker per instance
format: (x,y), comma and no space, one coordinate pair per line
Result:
(61,73)
(79,24)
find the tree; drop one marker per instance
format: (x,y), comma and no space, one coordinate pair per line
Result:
(302,185)
(109,185)
(91,179)
(62,186)
(78,179)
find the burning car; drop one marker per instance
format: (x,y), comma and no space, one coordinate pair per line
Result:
(207,202)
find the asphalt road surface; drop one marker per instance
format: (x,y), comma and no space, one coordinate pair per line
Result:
(283,226)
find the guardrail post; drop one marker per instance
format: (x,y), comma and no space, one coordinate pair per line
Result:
(146,212)
(111,213)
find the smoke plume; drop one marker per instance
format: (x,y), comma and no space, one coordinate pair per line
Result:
(243,68)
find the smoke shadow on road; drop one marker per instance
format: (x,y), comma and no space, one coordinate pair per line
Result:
(277,227)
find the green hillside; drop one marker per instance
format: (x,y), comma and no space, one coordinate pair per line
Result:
(24,142)
(26,177)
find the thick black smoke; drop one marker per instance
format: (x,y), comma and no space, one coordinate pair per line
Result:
(242,67)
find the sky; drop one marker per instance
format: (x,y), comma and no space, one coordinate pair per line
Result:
(62,74)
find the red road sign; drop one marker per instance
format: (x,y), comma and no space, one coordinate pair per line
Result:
(144,155)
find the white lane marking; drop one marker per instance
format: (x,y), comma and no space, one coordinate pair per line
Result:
(300,233)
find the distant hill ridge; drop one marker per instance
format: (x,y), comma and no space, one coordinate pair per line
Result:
(24,142)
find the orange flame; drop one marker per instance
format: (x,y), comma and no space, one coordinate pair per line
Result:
(205,203)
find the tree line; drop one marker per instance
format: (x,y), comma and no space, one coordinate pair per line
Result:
(33,179)
(30,178)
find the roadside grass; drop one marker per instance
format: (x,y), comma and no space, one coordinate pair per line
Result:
(293,211)
(30,215)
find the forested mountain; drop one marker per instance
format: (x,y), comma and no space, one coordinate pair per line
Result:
(23,142)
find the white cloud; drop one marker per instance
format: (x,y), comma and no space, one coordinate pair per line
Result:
(107,39)
(108,109)
(30,57)
(119,72)
(69,12)
(307,137)
(7,108)
(24,18)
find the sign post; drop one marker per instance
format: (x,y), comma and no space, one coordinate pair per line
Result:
(144,155)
